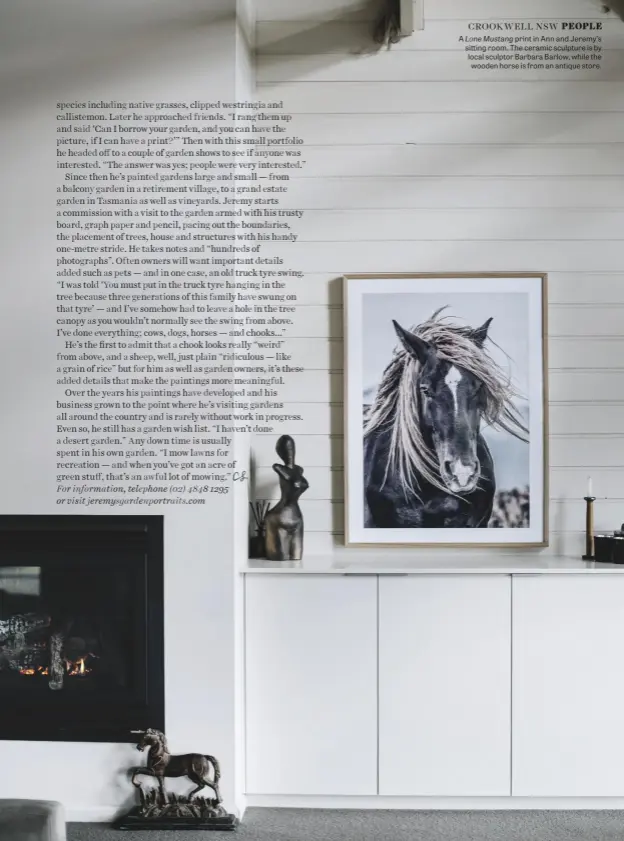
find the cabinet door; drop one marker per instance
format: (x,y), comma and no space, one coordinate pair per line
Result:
(568,696)
(444,685)
(311,684)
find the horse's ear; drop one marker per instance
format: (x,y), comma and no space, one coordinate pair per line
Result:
(479,335)
(414,345)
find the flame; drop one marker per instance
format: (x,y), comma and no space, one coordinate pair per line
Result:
(78,668)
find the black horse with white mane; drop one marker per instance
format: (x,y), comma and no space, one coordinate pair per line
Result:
(426,463)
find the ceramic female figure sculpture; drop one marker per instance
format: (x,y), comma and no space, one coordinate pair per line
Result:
(284,522)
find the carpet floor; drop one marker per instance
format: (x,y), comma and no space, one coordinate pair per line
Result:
(347,825)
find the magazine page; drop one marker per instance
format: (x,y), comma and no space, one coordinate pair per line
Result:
(312,315)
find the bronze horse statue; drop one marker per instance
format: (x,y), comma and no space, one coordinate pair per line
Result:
(161,764)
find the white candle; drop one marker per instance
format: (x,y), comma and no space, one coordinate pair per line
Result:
(589,487)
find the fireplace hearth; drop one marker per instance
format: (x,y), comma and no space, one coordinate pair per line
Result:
(81,627)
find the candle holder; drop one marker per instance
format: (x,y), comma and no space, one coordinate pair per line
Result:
(589,528)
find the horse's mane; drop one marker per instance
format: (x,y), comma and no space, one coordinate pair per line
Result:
(395,405)
(160,737)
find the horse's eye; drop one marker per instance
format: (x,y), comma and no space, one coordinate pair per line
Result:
(424,389)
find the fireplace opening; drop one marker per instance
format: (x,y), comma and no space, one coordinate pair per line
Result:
(81,627)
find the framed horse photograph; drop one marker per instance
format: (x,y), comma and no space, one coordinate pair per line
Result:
(446,440)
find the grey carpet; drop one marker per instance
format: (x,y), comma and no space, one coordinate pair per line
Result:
(347,825)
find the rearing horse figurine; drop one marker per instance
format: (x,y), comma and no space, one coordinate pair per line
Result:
(161,764)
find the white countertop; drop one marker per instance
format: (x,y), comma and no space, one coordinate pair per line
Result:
(431,562)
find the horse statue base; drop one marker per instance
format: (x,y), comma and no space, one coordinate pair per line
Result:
(198,813)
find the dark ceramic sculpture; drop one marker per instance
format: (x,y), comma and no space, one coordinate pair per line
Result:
(284,522)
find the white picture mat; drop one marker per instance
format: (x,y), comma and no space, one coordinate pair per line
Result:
(354,291)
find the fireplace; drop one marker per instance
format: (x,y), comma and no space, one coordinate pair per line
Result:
(81,627)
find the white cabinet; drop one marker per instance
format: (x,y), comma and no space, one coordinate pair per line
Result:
(311,684)
(435,685)
(444,685)
(568,698)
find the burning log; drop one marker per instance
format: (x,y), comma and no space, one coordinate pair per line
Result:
(53,655)
(20,624)
(16,651)
(57,664)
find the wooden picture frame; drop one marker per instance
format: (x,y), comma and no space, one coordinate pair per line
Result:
(414,480)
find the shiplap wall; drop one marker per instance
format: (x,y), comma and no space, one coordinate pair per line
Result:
(511,173)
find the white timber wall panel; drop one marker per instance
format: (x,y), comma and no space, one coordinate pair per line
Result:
(433,224)
(571,289)
(416,163)
(324,10)
(464,255)
(519,9)
(363,193)
(311,687)
(483,97)
(473,159)
(317,11)
(536,129)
